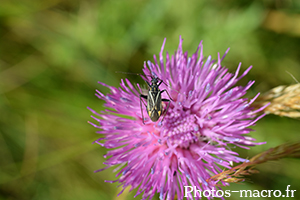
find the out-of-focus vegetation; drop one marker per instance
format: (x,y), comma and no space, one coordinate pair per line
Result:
(52,53)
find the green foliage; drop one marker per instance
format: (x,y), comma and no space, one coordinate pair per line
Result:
(52,53)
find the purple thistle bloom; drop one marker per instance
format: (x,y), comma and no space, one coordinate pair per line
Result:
(207,116)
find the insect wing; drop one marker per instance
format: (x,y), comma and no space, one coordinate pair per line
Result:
(151,101)
(158,104)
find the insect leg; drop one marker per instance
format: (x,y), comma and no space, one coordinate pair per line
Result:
(167,93)
(168,100)
(161,81)
(144,97)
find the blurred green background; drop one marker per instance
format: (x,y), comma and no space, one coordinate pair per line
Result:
(53,52)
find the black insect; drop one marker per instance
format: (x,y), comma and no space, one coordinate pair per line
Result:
(154,100)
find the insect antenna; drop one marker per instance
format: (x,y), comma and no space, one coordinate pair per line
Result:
(139,74)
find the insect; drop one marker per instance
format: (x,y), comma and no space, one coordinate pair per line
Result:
(154,100)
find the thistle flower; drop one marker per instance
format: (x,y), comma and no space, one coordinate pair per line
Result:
(207,116)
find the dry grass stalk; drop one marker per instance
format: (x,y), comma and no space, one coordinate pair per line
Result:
(238,173)
(284,101)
